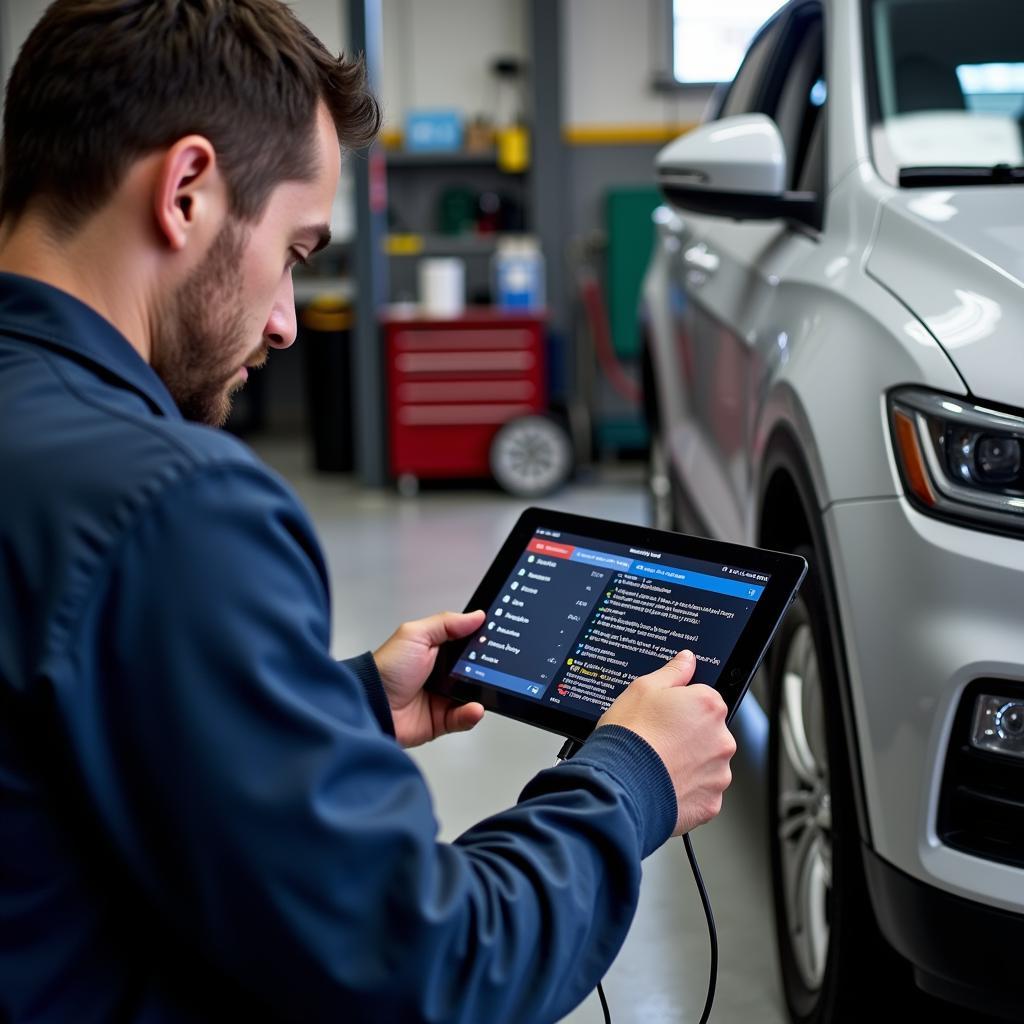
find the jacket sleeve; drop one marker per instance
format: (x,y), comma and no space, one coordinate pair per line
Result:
(248,787)
(364,668)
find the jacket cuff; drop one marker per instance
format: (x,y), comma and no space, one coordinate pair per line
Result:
(638,769)
(364,668)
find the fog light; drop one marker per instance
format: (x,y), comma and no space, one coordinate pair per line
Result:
(999,725)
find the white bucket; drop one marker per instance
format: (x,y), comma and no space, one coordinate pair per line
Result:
(442,286)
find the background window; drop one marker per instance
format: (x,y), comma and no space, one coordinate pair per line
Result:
(709,37)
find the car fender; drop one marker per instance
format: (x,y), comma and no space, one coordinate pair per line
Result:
(784,453)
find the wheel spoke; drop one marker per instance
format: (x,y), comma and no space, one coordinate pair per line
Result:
(789,827)
(826,861)
(794,800)
(794,864)
(804,825)
(815,923)
(794,735)
(814,716)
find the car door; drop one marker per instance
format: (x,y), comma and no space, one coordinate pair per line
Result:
(729,273)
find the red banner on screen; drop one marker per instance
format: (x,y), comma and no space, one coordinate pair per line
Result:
(549,548)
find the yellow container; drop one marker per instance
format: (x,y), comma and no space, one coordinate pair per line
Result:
(327,313)
(513,149)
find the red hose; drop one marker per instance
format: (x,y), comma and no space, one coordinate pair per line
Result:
(597,321)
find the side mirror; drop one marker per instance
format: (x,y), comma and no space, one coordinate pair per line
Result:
(735,167)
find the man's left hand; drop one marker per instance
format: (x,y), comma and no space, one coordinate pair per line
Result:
(404,662)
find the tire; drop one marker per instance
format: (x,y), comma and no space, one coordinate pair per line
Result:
(835,966)
(531,456)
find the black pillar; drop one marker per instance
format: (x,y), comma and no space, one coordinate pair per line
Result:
(370,261)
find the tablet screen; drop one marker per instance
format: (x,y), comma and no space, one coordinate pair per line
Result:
(578,618)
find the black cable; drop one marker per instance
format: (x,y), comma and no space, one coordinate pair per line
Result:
(570,747)
(712,932)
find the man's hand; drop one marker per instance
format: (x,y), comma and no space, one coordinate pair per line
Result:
(404,662)
(686,726)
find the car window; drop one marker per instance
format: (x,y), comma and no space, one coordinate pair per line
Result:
(947,84)
(809,166)
(783,76)
(744,94)
(801,97)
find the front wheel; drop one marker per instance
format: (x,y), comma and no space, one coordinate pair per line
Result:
(833,959)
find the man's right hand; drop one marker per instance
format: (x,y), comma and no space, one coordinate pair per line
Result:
(686,727)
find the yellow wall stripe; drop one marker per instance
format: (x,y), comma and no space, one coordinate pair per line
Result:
(623,134)
(592,134)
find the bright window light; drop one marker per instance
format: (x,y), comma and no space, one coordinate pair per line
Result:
(993,88)
(710,37)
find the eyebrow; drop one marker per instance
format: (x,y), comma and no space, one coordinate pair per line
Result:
(322,234)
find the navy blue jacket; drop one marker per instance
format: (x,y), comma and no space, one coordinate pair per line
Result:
(203,816)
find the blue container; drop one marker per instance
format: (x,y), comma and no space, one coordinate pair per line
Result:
(519,276)
(433,131)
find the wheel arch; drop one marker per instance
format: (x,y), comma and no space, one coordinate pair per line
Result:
(788,515)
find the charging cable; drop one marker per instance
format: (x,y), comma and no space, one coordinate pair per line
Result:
(712,931)
(569,748)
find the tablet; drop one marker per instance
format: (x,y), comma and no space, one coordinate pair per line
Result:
(578,607)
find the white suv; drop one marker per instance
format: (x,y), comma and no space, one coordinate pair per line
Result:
(833,322)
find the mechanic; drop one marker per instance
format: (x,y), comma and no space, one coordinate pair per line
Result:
(206,817)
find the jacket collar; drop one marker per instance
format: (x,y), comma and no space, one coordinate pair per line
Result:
(38,313)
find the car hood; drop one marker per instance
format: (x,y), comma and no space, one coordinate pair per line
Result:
(955,258)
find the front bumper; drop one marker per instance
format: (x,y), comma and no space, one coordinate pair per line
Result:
(962,951)
(926,608)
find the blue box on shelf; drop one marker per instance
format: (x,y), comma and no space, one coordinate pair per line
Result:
(518,271)
(433,131)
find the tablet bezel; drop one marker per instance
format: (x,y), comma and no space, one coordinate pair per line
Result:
(785,572)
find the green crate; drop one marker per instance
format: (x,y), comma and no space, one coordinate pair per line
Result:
(630,240)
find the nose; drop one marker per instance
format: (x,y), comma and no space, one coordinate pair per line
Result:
(281,328)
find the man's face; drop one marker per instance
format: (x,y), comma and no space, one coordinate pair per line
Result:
(238,302)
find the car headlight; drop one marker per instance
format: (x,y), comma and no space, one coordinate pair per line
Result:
(960,460)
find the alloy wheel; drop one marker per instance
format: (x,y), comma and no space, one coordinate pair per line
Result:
(804,820)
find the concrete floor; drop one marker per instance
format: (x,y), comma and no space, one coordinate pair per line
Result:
(393,559)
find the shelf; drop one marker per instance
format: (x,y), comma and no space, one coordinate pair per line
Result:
(309,288)
(399,159)
(445,245)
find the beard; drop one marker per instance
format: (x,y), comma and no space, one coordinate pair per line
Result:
(200,334)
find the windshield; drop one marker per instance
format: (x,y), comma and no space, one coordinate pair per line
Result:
(949,85)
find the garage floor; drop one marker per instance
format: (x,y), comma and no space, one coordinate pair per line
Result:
(393,559)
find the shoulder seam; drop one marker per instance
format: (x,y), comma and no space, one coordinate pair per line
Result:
(129,515)
(137,421)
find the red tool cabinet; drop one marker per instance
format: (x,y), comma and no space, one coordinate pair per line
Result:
(453,383)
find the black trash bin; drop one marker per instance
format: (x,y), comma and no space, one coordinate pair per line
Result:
(325,335)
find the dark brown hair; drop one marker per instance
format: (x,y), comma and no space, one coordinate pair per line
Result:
(100,83)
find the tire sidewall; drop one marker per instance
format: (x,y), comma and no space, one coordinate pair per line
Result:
(849,912)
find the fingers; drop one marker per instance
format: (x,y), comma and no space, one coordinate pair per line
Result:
(677,672)
(463,717)
(435,629)
(460,624)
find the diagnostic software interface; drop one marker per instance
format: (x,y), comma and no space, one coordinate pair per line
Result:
(578,619)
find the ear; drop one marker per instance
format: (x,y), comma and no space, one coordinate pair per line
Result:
(189,193)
